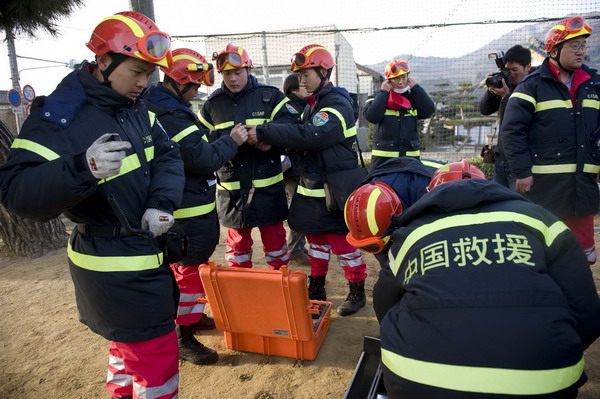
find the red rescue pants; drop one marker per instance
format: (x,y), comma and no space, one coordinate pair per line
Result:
(350,258)
(239,246)
(146,370)
(583,228)
(191,289)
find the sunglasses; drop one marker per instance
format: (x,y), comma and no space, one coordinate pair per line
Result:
(576,24)
(154,45)
(231,58)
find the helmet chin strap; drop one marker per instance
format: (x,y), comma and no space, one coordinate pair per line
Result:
(557,59)
(323,79)
(115,60)
(180,93)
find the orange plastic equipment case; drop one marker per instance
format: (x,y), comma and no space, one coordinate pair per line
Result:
(265,311)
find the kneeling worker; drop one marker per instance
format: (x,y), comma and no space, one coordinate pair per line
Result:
(488,293)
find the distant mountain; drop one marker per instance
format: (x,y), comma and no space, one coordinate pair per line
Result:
(474,66)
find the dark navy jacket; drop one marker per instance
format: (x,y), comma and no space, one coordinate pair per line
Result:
(324,142)
(197,215)
(488,287)
(123,290)
(547,135)
(251,191)
(396,132)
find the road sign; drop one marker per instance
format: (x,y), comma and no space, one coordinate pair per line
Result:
(27,109)
(28,93)
(14,97)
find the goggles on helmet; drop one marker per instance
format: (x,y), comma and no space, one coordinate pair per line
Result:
(575,24)
(208,78)
(299,61)
(154,45)
(400,66)
(234,59)
(373,245)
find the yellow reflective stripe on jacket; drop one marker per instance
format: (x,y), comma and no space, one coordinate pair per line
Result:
(553,104)
(258,183)
(194,211)
(36,148)
(392,112)
(388,154)
(277,108)
(224,125)
(590,103)
(204,121)
(347,132)
(152,117)
(413,153)
(549,232)
(311,192)
(256,121)
(433,164)
(589,168)
(525,97)
(114,263)
(483,379)
(550,169)
(228,185)
(184,133)
(269,181)
(369,100)
(130,163)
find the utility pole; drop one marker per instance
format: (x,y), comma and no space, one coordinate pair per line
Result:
(146,7)
(14,77)
(265,58)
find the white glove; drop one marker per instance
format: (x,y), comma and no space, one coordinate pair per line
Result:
(105,155)
(157,221)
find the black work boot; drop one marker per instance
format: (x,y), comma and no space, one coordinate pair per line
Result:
(205,323)
(316,288)
(192,350)
(355,300)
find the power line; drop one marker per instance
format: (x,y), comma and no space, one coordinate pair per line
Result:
(440,25)
(41,59)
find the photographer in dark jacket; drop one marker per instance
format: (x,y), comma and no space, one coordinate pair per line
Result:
(517,62)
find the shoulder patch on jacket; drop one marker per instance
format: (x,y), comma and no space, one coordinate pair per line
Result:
(290,108)
(320,118)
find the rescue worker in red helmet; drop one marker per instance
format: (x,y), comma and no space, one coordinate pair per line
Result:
(90,142)
(394,110)
(250,191)
(408,177)
(551,132)
(487,294)
(322,144)
(197,216)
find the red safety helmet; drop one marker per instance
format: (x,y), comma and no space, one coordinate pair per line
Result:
(395,69)
(368,213)
(455,171)
(564,30)
(133,34)
(233,57)
(190,66)
(312,56)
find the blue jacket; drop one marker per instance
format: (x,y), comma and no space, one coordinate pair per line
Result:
(123,290)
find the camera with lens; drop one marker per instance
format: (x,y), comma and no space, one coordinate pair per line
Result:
(496,79)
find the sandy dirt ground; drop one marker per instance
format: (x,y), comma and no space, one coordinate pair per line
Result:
(46,353)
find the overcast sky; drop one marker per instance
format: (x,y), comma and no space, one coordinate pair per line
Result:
(193,17)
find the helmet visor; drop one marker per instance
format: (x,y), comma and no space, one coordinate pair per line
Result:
(154,45)
(233,59)
(372,245)
(209,78)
